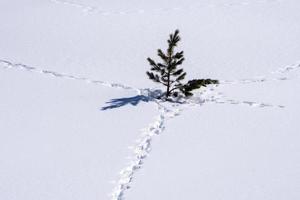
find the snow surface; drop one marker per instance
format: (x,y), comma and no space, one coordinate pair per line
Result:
(78,117)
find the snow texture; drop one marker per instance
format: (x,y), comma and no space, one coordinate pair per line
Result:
(62,139)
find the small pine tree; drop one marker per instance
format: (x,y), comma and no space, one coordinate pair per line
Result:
(167,74)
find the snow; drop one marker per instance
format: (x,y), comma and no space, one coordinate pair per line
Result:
(55,140)
(78,117)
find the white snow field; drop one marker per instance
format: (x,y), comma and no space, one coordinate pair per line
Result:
(78,120)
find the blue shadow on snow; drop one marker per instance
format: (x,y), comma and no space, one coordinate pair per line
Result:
(116,103)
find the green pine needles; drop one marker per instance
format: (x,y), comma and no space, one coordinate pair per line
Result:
(167,73)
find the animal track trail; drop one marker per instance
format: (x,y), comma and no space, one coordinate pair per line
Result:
(210,96)
(281,74)
(253,80)
(94,9)
(142,149)
(19,66)
(287,69)
(253,104)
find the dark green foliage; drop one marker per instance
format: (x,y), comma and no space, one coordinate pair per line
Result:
(167,73)
(195,84)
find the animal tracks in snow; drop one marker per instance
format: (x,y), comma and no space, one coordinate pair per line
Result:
(167,111)
(94,9)
(287,69)
(142,149)
(219,98)
(10,65)
(253,80)
(281,72)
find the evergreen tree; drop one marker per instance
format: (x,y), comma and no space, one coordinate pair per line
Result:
(167,73)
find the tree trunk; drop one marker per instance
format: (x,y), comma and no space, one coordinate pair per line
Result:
(168,85)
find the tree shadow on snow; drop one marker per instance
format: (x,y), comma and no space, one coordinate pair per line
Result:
(116,103)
